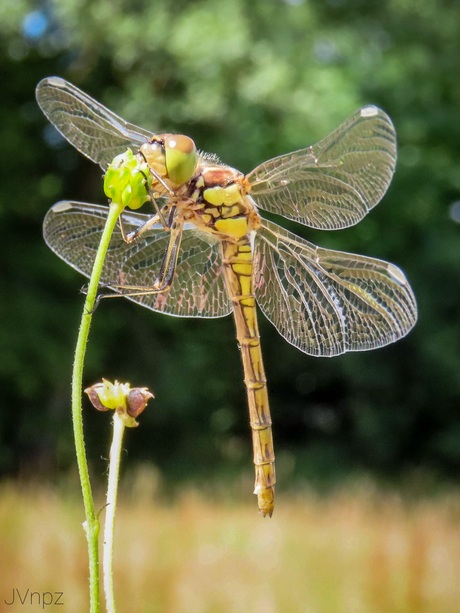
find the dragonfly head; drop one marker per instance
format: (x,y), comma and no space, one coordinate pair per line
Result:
(173,157)
(181,158)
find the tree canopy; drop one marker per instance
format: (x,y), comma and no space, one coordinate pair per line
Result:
(248,80)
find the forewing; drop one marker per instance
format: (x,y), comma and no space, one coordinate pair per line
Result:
(328,302)
(87,125)
(73,231)
(335,183)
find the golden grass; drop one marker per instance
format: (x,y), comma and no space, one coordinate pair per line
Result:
(352,552)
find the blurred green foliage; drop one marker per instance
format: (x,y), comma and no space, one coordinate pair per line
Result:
(247,79)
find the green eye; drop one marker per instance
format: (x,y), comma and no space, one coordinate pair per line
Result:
(181,158)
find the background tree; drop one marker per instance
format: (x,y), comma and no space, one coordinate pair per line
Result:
(247,79)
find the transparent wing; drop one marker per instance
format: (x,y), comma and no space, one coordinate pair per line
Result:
(328,302)
(73,230)
(87,125)
(336,182)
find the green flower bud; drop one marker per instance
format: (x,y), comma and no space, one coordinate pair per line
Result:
(127,181)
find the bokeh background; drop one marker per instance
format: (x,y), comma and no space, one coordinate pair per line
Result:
(247,79)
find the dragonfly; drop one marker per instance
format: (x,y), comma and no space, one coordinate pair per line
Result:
(206,251)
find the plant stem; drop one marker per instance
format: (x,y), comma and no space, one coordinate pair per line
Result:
(92,522)
(111,506)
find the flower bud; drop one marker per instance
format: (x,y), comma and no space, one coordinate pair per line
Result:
(127,180)
(126,401)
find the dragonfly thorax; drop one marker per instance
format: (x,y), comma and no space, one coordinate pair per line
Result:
(221,203)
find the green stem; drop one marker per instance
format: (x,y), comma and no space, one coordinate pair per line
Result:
(92,522)
(111,506)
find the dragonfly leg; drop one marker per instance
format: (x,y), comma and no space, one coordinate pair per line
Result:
(160,286)
(135,234)
(84,291)
(165,277)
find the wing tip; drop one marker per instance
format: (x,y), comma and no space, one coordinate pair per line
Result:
(397,274)
(54,81)
(61,206)
(370,111)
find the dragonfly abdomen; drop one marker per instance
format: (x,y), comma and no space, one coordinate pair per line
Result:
(237,265)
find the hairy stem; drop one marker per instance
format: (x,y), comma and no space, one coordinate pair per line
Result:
(92,522)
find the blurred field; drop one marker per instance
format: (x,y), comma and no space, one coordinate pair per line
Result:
(351,552)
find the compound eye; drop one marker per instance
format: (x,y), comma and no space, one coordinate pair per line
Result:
(181,158)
